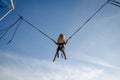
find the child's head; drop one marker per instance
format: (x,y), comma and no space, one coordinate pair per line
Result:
(61,36)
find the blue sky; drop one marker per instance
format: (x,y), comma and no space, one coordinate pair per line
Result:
(92,54)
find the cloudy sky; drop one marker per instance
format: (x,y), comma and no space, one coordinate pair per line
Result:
(92,54)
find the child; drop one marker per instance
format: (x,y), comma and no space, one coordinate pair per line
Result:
(60,42)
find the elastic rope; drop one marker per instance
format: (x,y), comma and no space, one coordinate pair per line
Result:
(14,32)
(88,20)
(10,25)
(115,3)
(6,4)
(4,34)
(8,28)
(38,30)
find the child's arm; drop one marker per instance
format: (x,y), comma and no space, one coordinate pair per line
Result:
(66,41)
(55,42)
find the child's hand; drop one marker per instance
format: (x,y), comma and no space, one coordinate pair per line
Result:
(66,41)
(55,42)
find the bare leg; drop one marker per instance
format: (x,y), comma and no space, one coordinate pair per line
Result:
(56,55)
(64,53)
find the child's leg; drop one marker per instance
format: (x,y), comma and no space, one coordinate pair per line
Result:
(56,55)
(64,53)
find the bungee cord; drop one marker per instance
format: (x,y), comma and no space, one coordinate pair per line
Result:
(5,30)
(15,32)
(88,20)
(115,3)
(75,31)
(11,25)
(6,3)
(38,30)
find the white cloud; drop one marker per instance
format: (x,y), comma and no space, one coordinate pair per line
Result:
(95,60)
(102,45)
(23,68)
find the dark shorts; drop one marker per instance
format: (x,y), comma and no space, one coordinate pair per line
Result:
(60,47)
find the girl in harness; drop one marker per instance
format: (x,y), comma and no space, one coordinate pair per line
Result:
(60,42)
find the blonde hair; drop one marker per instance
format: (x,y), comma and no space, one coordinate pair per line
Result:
(61,36)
